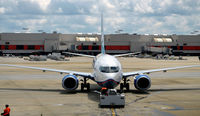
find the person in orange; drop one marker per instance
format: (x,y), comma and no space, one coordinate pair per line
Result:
(6,111)
(104,90)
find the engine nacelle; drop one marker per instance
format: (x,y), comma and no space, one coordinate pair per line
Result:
(70,82)
(142,82)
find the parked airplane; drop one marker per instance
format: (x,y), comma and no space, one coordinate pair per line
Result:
(107,72)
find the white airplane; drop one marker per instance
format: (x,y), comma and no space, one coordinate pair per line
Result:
(107,72)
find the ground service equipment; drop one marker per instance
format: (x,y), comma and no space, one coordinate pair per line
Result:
(112,99)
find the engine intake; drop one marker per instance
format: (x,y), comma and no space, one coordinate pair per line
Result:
(70,82)
(142,82)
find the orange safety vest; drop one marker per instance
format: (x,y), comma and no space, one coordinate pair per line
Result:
(6,111)
(103,88)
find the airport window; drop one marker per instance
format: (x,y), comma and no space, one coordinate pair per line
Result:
(80,38)
(6,47)
(91,39)
(174,47)
(95,47)
(20,47)
(84,47)
(162,40)
(31,47)
(7,42)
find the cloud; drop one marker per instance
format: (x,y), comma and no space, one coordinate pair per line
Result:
(42,3)
(72,16)
(143,6)
(108,4)
(91,20)
(2,10)
(114,22)
(59,10)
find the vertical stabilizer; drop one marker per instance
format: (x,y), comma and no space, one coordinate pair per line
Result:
(102,35)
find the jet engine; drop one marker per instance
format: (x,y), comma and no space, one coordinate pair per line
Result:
(70,82)
(142,82)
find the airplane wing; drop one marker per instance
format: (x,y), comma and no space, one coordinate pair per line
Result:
(119,55)
(83,74)
(127,74)
(79,54)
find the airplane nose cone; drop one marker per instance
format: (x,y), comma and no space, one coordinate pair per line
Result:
(111,76)
(110,83)
(111,80)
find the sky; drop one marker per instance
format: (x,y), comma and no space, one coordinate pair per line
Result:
(83,16)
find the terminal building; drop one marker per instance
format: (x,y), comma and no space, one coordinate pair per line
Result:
(44,43)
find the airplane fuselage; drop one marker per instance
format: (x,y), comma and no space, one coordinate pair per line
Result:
(107,70)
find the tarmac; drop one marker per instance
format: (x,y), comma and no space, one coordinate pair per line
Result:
(36,93)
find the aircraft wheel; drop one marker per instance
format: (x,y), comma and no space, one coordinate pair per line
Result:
(82,87)
(88,86)
(127,87)
(121,87)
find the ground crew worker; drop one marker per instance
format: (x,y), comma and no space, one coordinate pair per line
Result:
(6,111)
(104,90)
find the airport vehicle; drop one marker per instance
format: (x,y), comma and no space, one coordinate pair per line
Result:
(112,99)
(107,72)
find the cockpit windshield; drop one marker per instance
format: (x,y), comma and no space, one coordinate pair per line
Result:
(106,69)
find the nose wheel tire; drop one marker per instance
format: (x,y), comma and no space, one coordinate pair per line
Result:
(82,87)
(127,87)
(88,86)
(121,87)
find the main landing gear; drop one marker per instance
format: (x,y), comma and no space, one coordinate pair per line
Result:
(124,85)
(85,85)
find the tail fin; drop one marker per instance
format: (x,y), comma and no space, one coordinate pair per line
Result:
(102,36)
